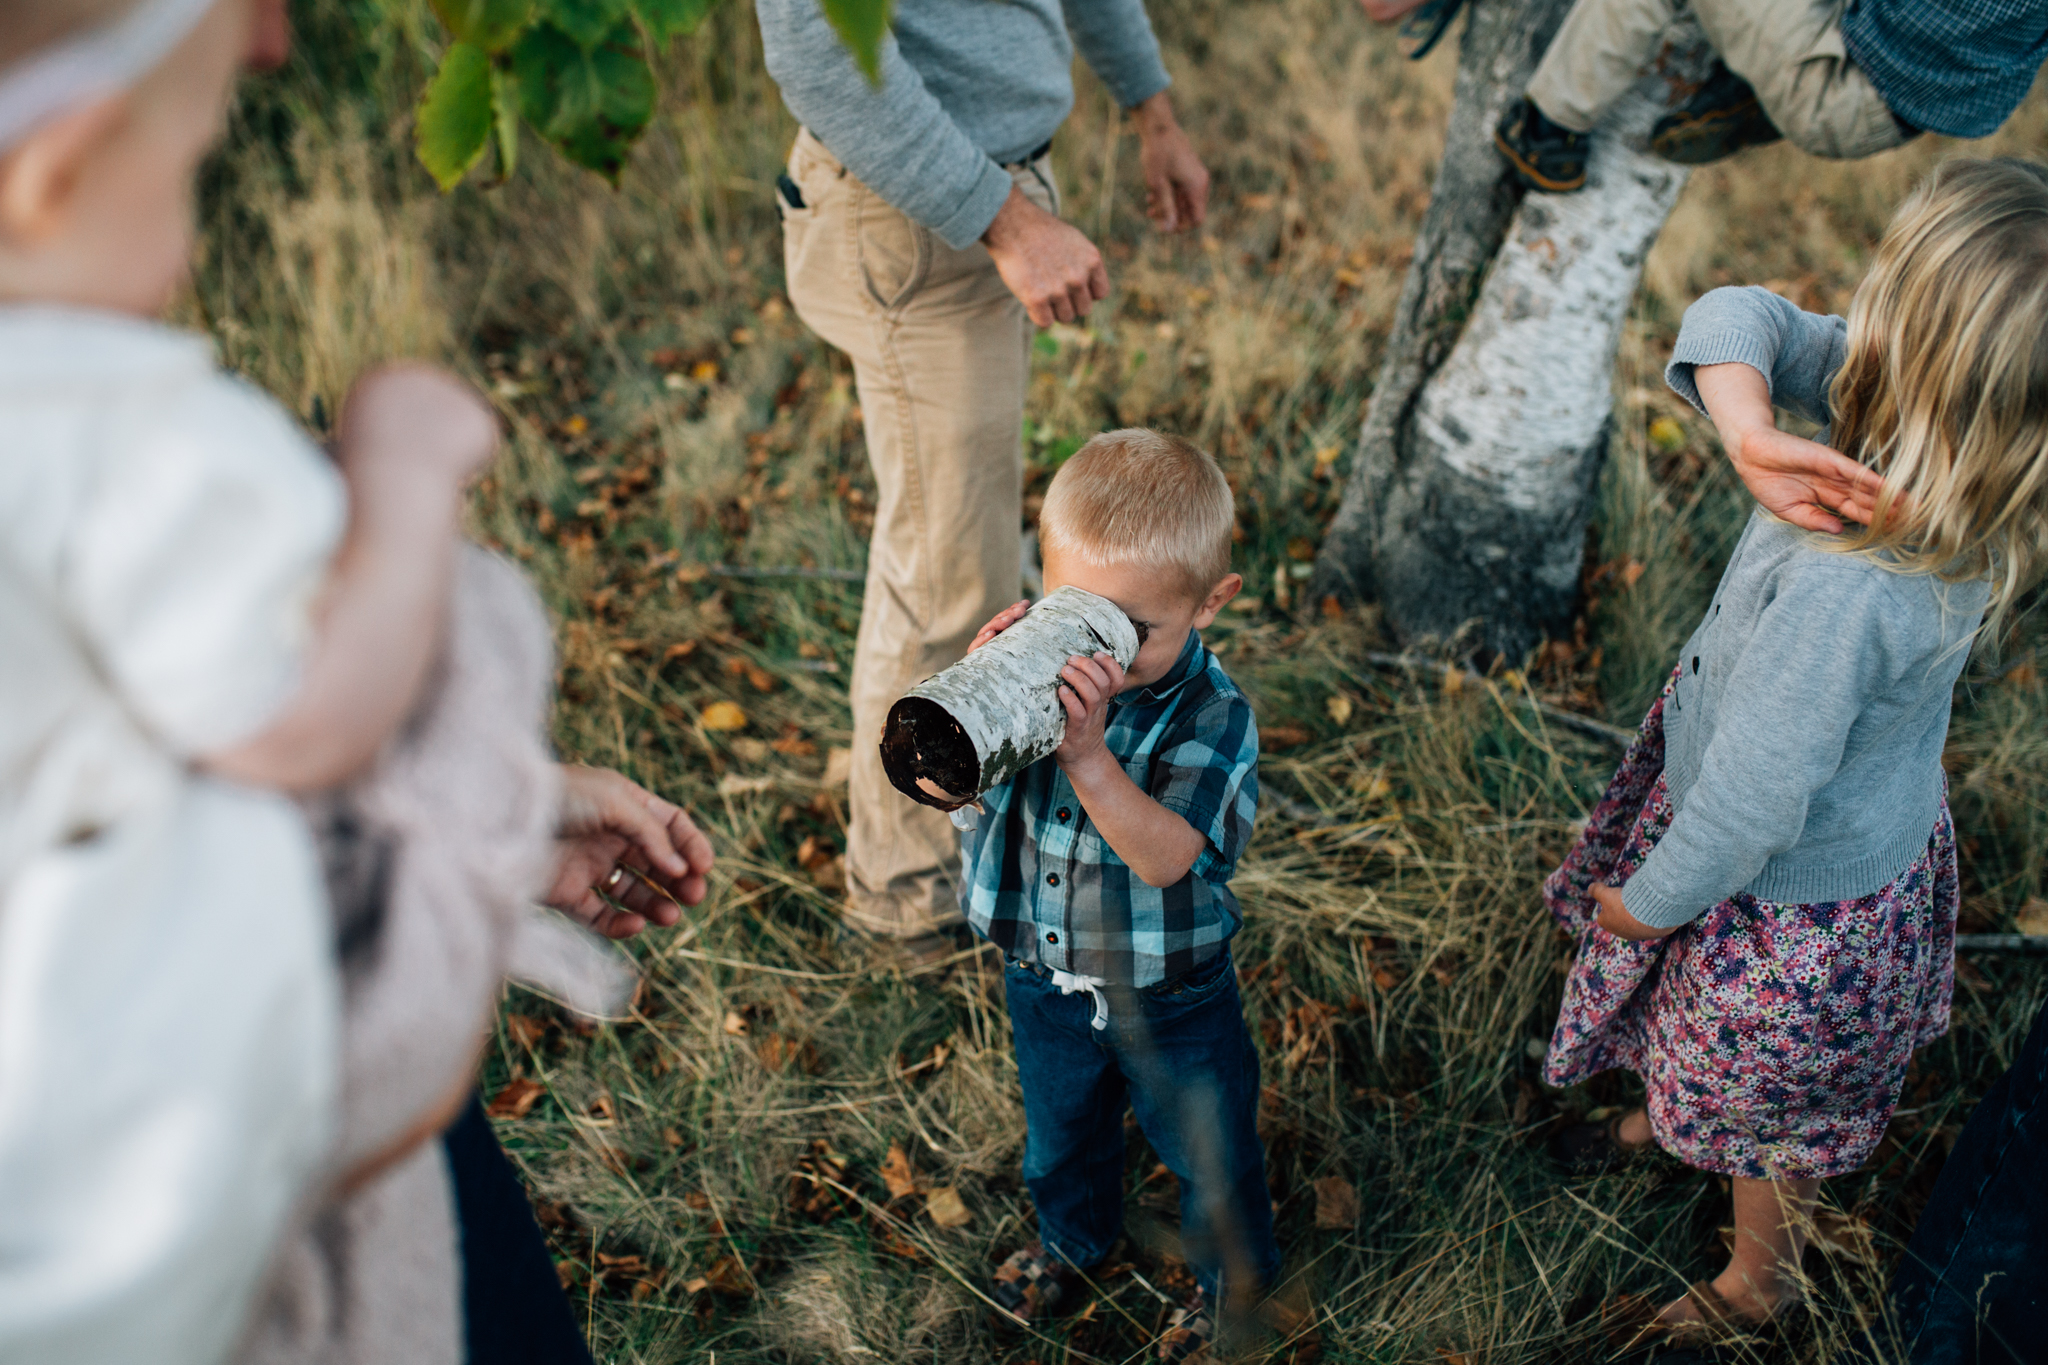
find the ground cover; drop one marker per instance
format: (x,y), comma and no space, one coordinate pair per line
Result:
(792,1154)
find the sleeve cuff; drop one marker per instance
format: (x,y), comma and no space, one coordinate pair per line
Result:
(1655,909)
(978,209)
(1136,82)
(1718,347)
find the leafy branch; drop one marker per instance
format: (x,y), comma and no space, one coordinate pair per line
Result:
(577,72)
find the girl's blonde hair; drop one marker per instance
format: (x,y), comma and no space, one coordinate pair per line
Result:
(1944,388)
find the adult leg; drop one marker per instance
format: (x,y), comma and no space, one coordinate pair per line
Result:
(1791,53)
(1074,1099)
(1195,1089)
(941,354)
(513,1308)
(1973,1283)
(1599,52)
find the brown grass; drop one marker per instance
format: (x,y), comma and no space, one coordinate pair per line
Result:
(712,1173)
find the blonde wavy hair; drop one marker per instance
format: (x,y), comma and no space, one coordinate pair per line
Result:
(1944,387)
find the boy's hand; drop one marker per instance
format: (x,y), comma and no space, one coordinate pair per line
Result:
(1615,918)
(1000,622)
(1086,685)
(415,418)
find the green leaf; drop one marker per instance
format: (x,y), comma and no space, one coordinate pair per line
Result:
(505,119)
(455,117)
(488,24)
(590,102)
(587,22)
(861,25)
(666,19)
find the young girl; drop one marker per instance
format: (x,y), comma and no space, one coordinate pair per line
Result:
(1765,897)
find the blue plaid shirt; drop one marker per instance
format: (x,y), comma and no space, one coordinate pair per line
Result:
(1954,67)
(1044,887)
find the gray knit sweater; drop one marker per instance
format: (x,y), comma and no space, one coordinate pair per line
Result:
(968,86)
(1802,745)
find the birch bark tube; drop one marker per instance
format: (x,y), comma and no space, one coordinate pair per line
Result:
(1467,509)
(997,711)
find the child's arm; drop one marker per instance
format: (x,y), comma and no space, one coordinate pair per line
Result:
(409,437)
(1791,358)
(1158,845)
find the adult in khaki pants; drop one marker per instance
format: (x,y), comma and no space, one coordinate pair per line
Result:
(922,237)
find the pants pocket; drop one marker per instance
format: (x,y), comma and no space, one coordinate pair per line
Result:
(894,252)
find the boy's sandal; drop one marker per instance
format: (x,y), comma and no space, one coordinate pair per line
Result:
(1031,1282)
(1188,1336)
(1595,1148)
(1426,25)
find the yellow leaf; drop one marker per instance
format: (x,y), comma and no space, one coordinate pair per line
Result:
(724,715)
(945,1207)
(1339,708)
(1667,435)
(2033,917)
(704,371)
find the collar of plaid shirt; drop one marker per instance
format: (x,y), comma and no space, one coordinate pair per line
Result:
(1043,886)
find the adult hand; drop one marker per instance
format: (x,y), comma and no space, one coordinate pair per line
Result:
(1055,271)
(1615,918)
(1176,182)
(616,839)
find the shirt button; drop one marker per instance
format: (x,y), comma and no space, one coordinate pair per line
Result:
(1052,879)
(1065,814)
(1052,938)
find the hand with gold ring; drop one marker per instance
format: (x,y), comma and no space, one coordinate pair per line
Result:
(625,858)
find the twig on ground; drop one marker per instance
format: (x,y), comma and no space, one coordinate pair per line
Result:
(1557,715)
(2019,945)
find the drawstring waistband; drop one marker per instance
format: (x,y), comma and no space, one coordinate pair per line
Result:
(1069,984)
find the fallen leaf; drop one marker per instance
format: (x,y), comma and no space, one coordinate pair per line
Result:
(682,649)
(704,371)
(1631,572)
(1450,1357)
(1339,708)
(671,1138)
(760,679)
(723,715)
(525,1030)
(735,1024)
(516,1100)
(946,1208)
(601,1108)
(838,767)
(576,425)
(1325,457)
(1385,976)
(750,751)
(794,746)
(649,1284)
(778,1053)
(1336,1203)
(697,1199)
(727,1276)
(1333,610)
(814,852)
(1667,435)
(2033,917)
(733,784)
(1279,737)
(1301,549)
(830,875)
(896,1172)
(2024,675)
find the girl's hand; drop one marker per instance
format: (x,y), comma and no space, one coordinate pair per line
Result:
(1616,920)
(1000,622)
(1804,482)
(1086,685)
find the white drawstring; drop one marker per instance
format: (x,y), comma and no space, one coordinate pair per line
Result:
(1070,984)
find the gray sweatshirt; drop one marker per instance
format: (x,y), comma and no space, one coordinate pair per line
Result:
(1802,745)
(968,86)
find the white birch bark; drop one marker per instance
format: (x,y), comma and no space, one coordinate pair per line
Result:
(997,711)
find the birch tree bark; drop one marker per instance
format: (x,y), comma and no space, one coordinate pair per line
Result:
(1466,511)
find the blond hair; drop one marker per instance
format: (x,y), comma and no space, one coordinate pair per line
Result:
(1944,387)
(1140,497)
(29,26)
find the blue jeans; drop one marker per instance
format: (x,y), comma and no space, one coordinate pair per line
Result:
(1179,1055)
(1973,1284)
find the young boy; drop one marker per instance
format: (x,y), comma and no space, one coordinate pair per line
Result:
(1838,82)
(1103,874)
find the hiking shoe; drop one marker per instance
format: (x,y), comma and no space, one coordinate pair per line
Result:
(1545,156)
(1188,1336)
(1426,26)
(1721,118)
(1031,1282)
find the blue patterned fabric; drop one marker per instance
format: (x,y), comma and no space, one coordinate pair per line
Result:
(1954,67)
(1044,887)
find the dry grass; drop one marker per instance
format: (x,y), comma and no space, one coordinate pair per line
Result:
(712,1173)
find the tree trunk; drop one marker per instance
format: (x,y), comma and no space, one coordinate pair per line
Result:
(997,711)
(1466,510)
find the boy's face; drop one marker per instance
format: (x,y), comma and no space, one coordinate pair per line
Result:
(1161,609)
(112,228)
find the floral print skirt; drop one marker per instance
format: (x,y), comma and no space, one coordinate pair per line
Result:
(1772,1039)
